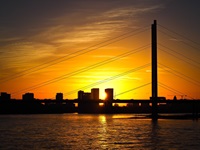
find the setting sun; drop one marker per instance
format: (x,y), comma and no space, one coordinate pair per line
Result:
(103,95)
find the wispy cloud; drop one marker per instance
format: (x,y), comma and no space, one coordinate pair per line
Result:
(10,39)
(84,27)
(175,40)
(78,26)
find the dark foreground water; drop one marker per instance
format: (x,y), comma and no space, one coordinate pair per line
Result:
(79,132)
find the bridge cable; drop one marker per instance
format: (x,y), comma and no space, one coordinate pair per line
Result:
(186,78)
(84,69)
(197,43)
(82,51)
(108,79)
(171,89)
(179,53)
(198,67)
(132,89)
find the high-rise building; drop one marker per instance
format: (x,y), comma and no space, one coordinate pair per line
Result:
(28,96)
(86,103)
(59,96)
(108,100)
(87,96)
(109,94)
(95,93)
(80,95)
(84,95)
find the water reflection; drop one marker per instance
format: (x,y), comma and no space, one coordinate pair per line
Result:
(75,131)
(154,139)
(102,133)
(102,119)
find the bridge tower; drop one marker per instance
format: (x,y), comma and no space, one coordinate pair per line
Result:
(154,75)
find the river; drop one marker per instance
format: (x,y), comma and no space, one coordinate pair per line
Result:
(88,131)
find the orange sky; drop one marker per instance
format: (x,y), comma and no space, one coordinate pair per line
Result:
(48,55)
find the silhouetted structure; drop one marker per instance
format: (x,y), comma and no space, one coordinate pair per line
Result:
(95,93)
(109,94)
(86,104)
(154,71)
(28,97)
(59,96)
(174,98)
(108,100)
(80,95)
(87,101)
(84,95)
(5,96)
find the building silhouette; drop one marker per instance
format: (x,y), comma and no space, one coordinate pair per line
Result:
(95,93)
(88,101)
(108,99)
(109,94)
(59,96)
(5,96)
(84,95)
(28,97)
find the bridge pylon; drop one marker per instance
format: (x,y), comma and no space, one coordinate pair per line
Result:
(154,74)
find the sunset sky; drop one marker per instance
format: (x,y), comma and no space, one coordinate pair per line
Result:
(50,46)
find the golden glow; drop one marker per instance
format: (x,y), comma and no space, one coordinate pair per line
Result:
(74,74)
(103,96)
(102,119)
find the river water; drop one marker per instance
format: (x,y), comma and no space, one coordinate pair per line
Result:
(79,132)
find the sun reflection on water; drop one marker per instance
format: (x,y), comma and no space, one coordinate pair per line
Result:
(102,119)
(103,132)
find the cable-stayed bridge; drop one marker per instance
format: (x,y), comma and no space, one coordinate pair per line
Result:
(155,83)
(179,56)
